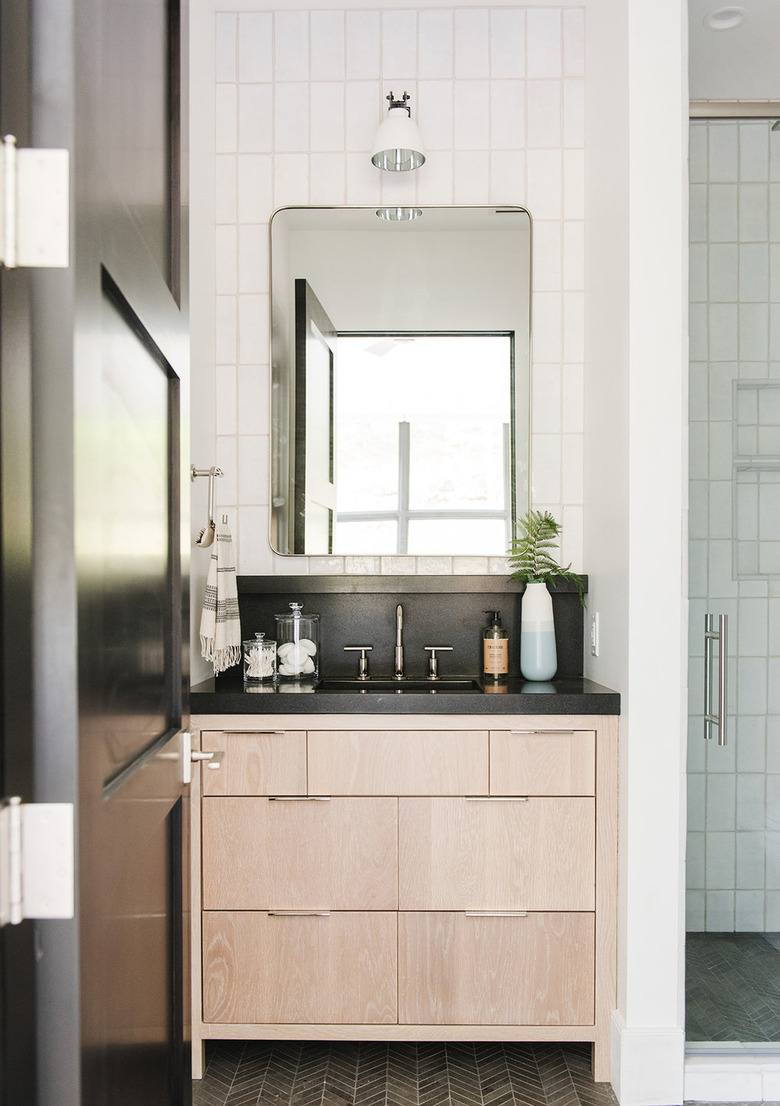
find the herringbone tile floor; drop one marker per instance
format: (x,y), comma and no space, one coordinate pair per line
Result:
(732,987)
(265,1073)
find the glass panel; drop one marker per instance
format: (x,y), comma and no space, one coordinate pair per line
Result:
(369,409)
(367,465)
(376,538)
(414,437)
(457,465)
(733,847)
(435,536)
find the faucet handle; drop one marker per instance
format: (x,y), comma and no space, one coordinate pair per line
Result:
(433,662)
(363,661)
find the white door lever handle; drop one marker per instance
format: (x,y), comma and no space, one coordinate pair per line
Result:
(190,756)
(213,760)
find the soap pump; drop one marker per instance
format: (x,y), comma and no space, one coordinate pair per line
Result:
(495,648)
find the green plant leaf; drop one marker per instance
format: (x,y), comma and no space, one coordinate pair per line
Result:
(529,557)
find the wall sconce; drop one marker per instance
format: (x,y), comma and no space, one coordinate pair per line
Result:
(399,214)
(398,146)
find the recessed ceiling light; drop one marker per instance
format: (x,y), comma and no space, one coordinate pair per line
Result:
(725,19)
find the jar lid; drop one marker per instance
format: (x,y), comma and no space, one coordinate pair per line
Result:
(259,640)
(296,614)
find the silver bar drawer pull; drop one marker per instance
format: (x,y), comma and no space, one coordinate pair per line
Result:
(299,798)
(545,733)
(251,733)
(298,913)
(496,913)
(496,798)
(721,635)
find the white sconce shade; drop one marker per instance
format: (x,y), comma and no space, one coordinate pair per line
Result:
(398,146)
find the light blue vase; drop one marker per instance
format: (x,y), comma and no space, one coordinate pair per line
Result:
(538,655)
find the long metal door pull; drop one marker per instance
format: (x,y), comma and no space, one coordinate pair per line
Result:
(711,635)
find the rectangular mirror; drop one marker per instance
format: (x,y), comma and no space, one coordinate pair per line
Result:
(400,349)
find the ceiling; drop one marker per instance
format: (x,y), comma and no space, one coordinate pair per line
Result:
(742,63)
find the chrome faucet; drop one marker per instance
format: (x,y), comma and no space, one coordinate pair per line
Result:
(398,669)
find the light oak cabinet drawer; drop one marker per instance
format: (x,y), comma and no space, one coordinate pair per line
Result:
(495,854)
(460,970)
(262,968)
(397,762)
(542,763)
(331,854)
(256,763)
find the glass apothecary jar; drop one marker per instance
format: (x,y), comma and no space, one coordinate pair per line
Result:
(259,660)
(298,645)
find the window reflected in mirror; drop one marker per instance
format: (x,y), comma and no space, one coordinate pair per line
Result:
(422,458)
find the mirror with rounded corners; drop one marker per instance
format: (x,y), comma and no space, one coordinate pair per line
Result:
(400,379)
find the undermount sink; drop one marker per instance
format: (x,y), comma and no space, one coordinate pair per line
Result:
(384,686)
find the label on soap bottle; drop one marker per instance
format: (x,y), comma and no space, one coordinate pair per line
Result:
(496,656)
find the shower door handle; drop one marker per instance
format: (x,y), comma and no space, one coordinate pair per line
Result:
(711,635)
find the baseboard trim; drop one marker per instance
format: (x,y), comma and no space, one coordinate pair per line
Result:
(731,1074)
(647,1064)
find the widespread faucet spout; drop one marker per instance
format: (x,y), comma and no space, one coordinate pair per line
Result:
(398,668)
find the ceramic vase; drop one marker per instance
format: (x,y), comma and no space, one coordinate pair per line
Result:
(538,657)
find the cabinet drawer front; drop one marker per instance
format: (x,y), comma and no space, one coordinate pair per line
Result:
(259,968)
(542,763)
(265,854)
(495,854)
(256,763)
(398,762)
(460,970)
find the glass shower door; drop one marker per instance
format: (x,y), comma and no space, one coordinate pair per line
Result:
(733,857)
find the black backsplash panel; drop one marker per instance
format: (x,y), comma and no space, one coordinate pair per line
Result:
(438,610)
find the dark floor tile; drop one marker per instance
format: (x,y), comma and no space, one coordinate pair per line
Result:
(732,987)
(259,1073)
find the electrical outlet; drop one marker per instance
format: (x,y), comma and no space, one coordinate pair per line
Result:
(594,634)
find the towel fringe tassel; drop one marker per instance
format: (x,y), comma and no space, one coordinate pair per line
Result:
(220,658)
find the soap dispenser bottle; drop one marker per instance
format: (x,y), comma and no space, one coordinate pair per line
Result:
(495,648)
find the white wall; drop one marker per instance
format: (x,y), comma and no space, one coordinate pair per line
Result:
(480,276)
(635,450)
(498,94)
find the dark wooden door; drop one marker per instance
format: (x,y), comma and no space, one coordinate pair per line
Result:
(315,437)
(17,959)
(98,368)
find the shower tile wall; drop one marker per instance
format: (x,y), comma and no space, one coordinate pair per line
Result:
(733,864)
(499,96)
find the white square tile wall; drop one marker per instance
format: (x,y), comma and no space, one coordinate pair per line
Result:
(733,864)
(498,94)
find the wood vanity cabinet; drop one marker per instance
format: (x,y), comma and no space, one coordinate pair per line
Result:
(405,878)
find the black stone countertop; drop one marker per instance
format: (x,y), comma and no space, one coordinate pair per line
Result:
(226,695)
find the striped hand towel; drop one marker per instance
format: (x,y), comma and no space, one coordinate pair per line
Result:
(220,628)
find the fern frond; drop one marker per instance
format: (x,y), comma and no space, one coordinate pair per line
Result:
(529,553)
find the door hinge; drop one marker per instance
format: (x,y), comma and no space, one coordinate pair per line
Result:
(34,207)
(36,861)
